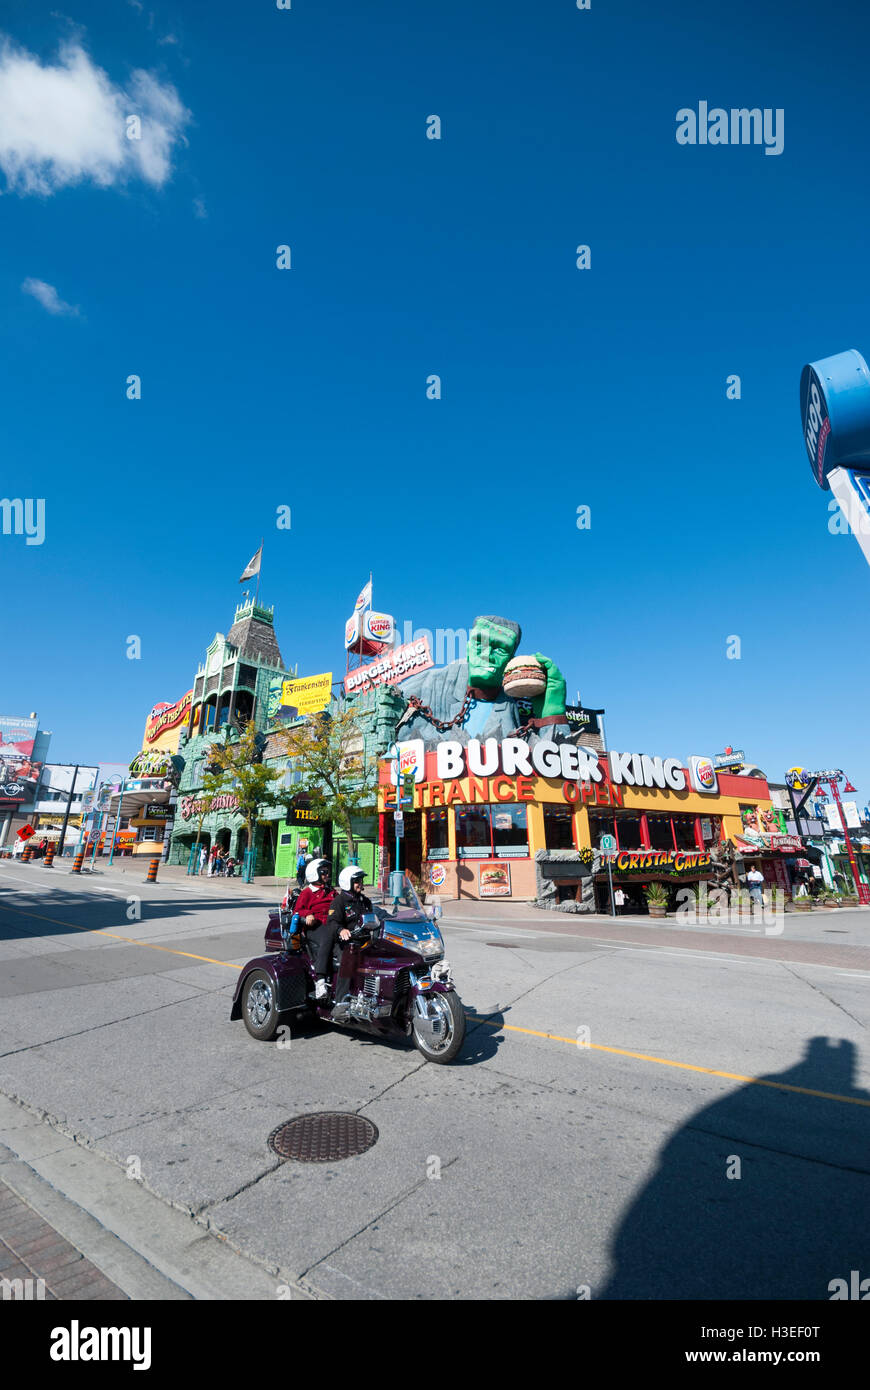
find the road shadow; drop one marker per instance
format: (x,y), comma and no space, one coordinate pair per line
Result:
(483,1036)
(60,912)
(761,1195)
(479,1046)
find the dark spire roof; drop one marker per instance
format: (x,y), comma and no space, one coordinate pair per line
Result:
(253,632)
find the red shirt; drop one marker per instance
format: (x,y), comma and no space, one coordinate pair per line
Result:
(315,902)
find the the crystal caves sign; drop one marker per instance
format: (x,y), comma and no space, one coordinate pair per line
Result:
(668,861)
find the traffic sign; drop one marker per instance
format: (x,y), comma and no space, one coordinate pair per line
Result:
(608,843)
(400,816)
(400,830)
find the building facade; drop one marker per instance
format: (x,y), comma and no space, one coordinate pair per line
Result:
(495,819)
(235,683)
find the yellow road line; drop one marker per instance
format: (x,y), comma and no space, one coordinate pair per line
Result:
(96,931)
(506,1027)
(684,1066)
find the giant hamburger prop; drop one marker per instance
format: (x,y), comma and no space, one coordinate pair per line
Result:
(524,678)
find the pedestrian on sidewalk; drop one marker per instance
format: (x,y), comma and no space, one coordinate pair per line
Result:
(755,882)
(300,868)
(212,861)
(619,899)
(203,858)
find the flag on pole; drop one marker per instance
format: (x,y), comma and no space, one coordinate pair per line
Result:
(365,598)
(253,566)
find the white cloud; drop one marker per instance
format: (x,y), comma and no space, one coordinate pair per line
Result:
(199,208)
(168,38)
(65,123)
(47,296)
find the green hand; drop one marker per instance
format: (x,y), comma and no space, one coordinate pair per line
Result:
(553,699)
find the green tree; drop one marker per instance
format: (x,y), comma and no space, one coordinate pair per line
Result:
(242,769)
(329,751)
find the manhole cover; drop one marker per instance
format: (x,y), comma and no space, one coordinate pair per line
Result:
(323,1138)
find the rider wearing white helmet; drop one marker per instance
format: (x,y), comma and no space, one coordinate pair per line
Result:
(313,906)
(349,905)
(345,910)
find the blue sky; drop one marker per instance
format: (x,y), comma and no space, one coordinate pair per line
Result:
(410,256)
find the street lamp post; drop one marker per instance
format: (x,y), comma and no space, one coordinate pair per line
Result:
(117,820)
(862,888)
(398,814)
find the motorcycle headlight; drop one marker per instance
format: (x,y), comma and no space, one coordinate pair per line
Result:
(430,947)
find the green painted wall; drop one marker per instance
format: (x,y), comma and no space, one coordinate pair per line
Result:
(285,860)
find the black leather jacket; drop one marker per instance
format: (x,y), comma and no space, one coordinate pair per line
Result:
(347,909)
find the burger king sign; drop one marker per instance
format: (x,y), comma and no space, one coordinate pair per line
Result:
(378,627)
(703,774)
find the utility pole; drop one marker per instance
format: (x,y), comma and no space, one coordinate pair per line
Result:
(70,798)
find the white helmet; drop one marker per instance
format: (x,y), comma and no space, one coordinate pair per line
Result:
(347,876)
(312,870)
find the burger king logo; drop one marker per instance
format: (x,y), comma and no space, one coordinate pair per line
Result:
(704,776)
(379,626)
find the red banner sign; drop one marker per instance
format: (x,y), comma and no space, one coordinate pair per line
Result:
(395,666)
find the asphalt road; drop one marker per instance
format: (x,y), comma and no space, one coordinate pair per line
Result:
(639,1112)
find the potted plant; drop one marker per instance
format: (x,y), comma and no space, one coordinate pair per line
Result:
(657,899)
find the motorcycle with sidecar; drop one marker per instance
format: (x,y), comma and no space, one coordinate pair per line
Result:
(382,985)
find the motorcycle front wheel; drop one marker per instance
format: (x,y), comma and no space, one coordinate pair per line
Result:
(447,1007)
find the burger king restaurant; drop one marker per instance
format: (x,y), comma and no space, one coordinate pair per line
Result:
(490,817)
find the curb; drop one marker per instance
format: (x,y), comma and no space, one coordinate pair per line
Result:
(150,1249)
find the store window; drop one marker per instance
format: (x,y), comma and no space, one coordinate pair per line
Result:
(598,826)
(660,834)
(436,834)
(510,835)
(558,822)
(629,832)
(486,832)
(684,830)
(149,832)
(711,829)
(473,839)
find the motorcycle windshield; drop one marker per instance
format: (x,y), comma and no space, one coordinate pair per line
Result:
(401,904)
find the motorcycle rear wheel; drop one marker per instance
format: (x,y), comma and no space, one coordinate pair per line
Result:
(450,1008)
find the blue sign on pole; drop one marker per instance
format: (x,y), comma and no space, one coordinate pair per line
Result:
(835,413)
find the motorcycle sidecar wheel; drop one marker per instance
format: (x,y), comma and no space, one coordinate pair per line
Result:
(450,1006)
(259,1006)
